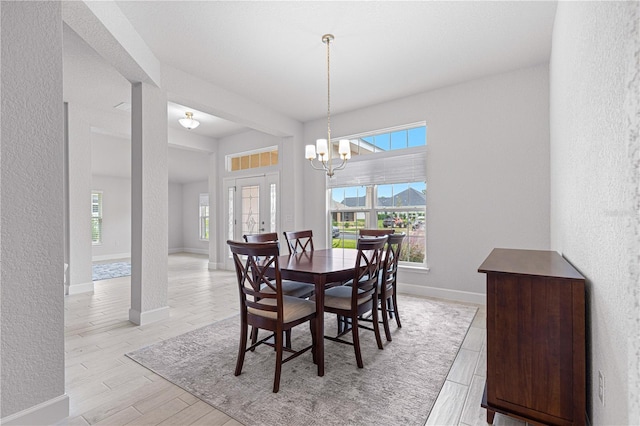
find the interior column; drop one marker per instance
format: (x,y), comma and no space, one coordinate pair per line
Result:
(149,204)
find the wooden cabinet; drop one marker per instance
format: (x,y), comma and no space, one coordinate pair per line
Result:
(535,337)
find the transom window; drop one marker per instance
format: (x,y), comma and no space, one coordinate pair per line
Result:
(253,159)
(389,140)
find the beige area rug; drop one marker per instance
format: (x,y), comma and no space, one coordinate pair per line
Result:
(397,386)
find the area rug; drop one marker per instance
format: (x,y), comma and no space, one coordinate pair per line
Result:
(397,386)
(106,271)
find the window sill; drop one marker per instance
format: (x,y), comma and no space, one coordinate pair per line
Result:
(414,268)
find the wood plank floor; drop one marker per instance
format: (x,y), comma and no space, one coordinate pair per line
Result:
(107,388)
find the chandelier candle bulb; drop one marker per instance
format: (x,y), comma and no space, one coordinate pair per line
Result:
(310,152)
(321,146)
(344,147)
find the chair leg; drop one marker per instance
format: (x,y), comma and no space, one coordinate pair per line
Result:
(376,324)
(314,342)
(276,379)
(242,347)
(356,340)
(395,310)
(288,338)
(385,319)
(254,336)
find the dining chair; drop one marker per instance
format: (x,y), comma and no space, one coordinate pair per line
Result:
(264,305)
(375,232)
(387,288)
(361,296)
(289,288)
(299,241)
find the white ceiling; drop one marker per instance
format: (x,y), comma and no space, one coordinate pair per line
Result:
(271,52)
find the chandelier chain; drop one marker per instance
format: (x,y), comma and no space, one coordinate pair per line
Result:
(328,41)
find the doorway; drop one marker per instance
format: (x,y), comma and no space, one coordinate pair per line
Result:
(252,206)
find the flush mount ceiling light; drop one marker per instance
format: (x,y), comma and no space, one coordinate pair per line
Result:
(324,148)
(188,122)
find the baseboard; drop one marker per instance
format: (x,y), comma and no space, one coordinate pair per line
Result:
(47,413)
(147,317)
(442,293)
(175,250)
(212,266)
(78,288)
(196,251)
(111,257)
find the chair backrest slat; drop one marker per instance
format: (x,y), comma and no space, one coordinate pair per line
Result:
(375,232)
(299,241)
(261,238)
(390,266)
(369,259)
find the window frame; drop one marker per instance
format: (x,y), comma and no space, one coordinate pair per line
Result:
(203,228)
(371,211)
(99,216)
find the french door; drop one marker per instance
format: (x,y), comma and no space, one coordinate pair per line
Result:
(252,206)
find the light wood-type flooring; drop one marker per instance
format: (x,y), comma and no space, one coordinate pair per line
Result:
(107,388)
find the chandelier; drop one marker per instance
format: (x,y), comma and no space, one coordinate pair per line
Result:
(323,148)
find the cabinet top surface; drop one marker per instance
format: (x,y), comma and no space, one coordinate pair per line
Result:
(529,262)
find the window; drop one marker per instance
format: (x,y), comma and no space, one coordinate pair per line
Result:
(204,217)
(253,159)
(96,217)
(401,206)
(388,190)
(389,140)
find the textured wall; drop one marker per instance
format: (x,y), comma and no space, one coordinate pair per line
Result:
(175,218)
(79,200)
(487,171)
(592,190)
(116,213)
(32,309)
(149,204)
(191,216)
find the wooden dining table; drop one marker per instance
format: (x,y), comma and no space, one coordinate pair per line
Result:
(321,268)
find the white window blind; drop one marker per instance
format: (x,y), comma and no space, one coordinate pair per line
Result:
(373,170)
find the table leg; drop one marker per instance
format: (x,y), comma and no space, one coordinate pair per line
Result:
(319,282)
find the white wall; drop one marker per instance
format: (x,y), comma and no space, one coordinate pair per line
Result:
(191,217)
(79,170)
(116,217)
(175,218)
(594,216)
(487,174)
(31,237)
